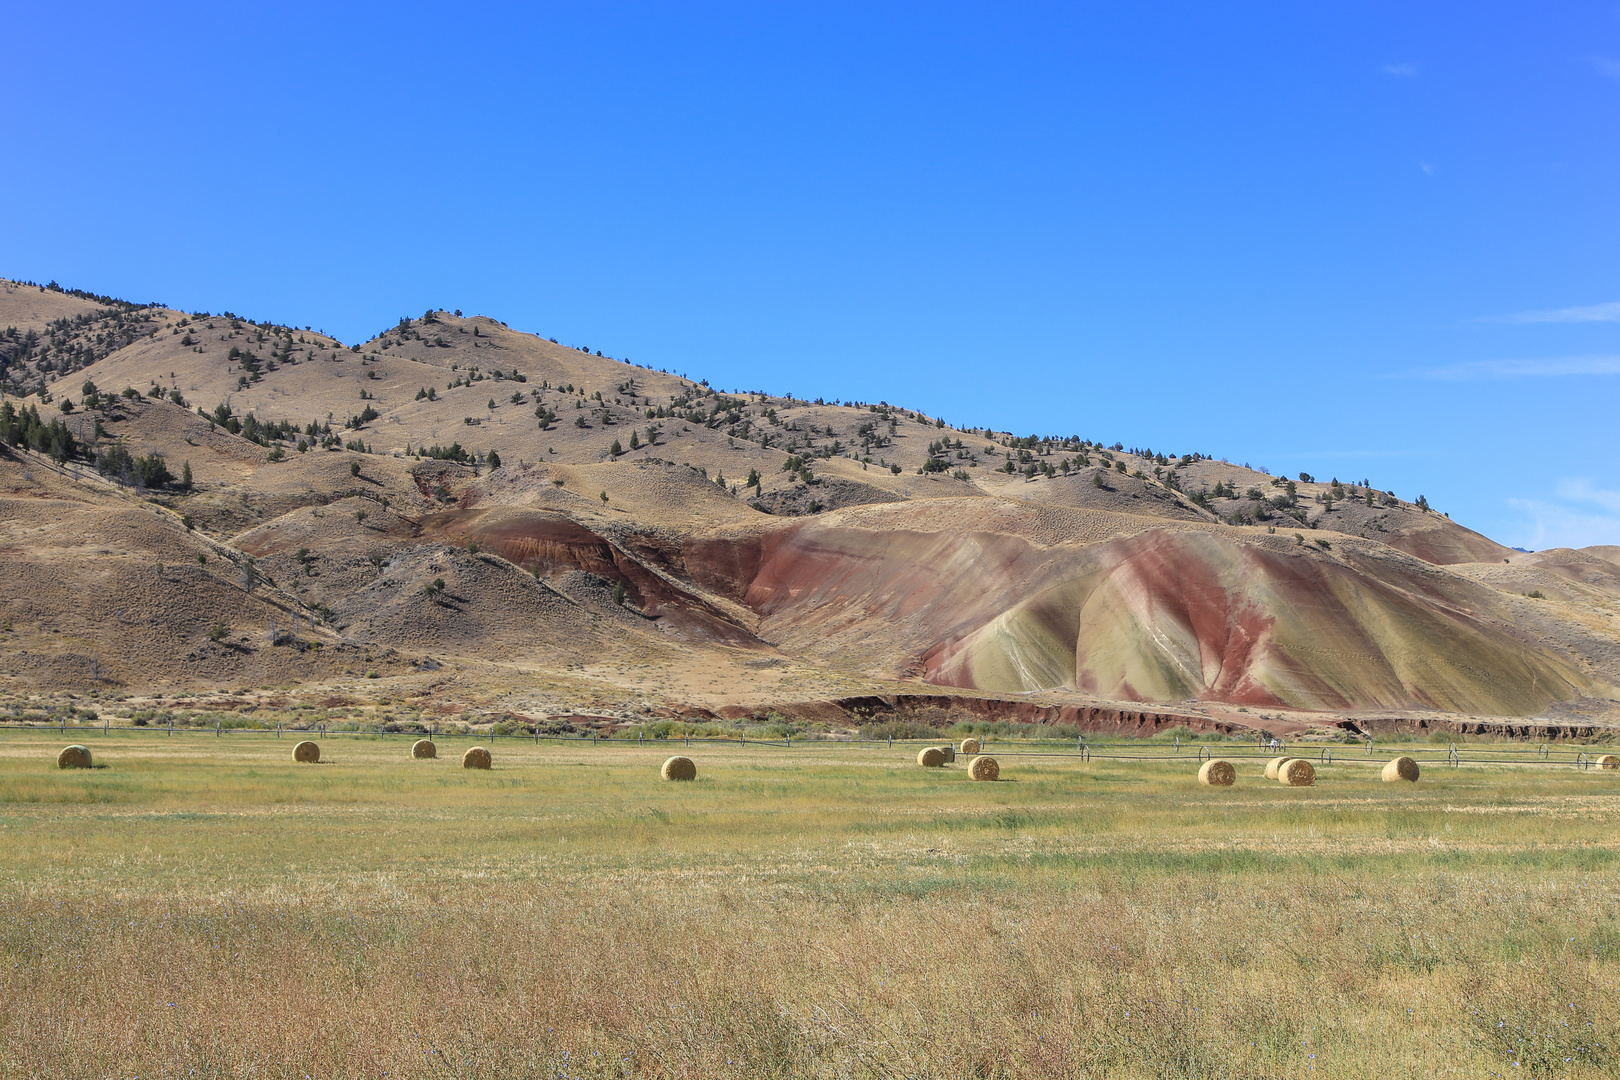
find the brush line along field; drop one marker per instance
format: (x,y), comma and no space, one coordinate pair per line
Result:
(205,907)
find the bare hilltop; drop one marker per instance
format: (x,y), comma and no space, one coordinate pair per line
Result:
(462,518)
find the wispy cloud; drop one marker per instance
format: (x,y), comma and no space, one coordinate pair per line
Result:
(1581,489)
(1609,312)
(1579,514)
(1428,169)
(1605,65)
(1401,71)
(1543,368)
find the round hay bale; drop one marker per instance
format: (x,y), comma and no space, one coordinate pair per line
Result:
(970,746)
(679,768)
(475,758)
(1217,773)
(949,751)
(984,768)
(1272,766)
(1296,772)
(424,748)
(1609,761)
(931,757)
(307,752)
(1404,768)
(73,757)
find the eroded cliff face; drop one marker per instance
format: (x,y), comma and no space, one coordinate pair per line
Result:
(1169,617)
(1157,615)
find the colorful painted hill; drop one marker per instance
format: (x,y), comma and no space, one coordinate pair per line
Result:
(459,511)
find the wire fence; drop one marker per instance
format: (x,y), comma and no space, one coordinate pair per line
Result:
(1368,752)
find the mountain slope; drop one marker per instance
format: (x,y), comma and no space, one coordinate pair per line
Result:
(451,491)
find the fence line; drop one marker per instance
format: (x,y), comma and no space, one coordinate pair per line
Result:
(1453,755)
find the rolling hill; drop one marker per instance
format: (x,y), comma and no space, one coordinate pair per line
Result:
(458,511)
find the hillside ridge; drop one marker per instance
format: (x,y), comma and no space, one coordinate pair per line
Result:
(556,525)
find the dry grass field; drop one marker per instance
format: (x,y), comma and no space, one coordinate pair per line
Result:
(202,907)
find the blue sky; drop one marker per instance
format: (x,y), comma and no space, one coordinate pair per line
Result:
(1371,240)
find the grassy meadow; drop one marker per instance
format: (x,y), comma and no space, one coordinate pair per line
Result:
(202,907)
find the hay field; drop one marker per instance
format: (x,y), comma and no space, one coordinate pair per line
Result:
(205,907)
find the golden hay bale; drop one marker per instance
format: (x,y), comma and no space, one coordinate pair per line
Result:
(970,746)
(679,768)
(1217,773)
(422,748)
(1296,772)
(73,757)
(475,758)
(1272,766)
(931,757)
(949,751)
(984,768)
(307,752)
(1609,761)
(1404,768)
